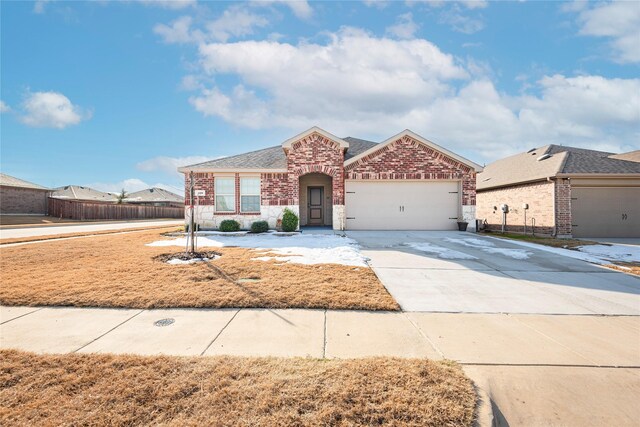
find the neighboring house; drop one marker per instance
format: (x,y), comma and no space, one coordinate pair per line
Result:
(403,183)
(80,193)
(569,192)
(155,197)
(22,197)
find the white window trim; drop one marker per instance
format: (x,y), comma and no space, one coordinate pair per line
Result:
(216,194)
(258,194)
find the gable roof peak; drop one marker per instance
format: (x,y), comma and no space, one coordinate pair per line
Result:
(421,140)
(315,129)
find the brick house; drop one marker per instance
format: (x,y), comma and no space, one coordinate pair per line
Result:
(22,197)
(405,182)
(564,192)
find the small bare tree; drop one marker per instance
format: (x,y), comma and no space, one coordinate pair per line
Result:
(122,196)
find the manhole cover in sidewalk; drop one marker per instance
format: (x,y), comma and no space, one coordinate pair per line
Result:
(164,322)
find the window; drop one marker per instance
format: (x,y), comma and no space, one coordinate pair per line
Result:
(250,194)
(225,194)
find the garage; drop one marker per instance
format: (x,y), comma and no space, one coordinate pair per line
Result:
(402,205)
(605,211)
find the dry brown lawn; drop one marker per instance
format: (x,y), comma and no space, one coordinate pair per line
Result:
(119,271)
(626,267)
(136,390)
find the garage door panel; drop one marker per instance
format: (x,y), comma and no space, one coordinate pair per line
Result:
(605,212)
(401,205)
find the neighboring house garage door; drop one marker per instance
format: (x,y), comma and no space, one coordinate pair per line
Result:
(605,212)
(401,205)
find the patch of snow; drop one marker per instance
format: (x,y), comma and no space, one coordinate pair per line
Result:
(489,247)
(297,248)
(603,255)
(622,253)
(443,253)
(177,261)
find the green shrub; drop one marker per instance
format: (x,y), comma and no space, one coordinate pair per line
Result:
(289,220)
(260,227)
(229,225)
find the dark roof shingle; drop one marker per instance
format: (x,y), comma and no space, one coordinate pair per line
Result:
(272,157)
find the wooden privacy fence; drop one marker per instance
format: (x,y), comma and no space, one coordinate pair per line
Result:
(74,209)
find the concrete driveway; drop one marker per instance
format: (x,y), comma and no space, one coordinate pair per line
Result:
(464,272)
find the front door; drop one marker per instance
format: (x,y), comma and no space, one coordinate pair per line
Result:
(315,206)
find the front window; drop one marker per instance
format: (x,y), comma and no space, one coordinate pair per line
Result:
(250,194)
(225,194)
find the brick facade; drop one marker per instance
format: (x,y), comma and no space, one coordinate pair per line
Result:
(316,154)
(407,158)
(549,205)
(202,181)
(563,207)
(275,189)
(539,197)
(17,200)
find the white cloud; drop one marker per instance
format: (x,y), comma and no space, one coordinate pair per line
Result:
(404,28)
(349,86)
(235,22)
(461,22)
(618,21)
(379,4)
(132,184)
(179,31)
(169,4)
(474,4)
(51,109)
(39,6)
(300,8)
(169,165)
(4,107)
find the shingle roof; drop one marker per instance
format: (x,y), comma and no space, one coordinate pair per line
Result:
(267,158)
(12,181)
(272,157)
(78,192)
(154,195)
(530,166)
(357,146)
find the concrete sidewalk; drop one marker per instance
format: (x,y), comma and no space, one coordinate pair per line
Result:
(466,338)
(22,232)
(535,369)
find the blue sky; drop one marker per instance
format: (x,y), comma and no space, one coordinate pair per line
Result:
(117,94)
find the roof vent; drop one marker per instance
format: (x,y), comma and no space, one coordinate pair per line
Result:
(151,190)
(544,157)
(531,151)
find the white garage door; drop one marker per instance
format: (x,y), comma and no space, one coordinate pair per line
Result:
(605,212)
(401,205)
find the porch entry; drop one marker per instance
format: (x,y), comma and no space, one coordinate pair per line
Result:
(315,206)
(316,200)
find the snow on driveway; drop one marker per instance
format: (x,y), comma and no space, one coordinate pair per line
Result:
(490,248)
(444,253)
(297,248)
(596,254)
